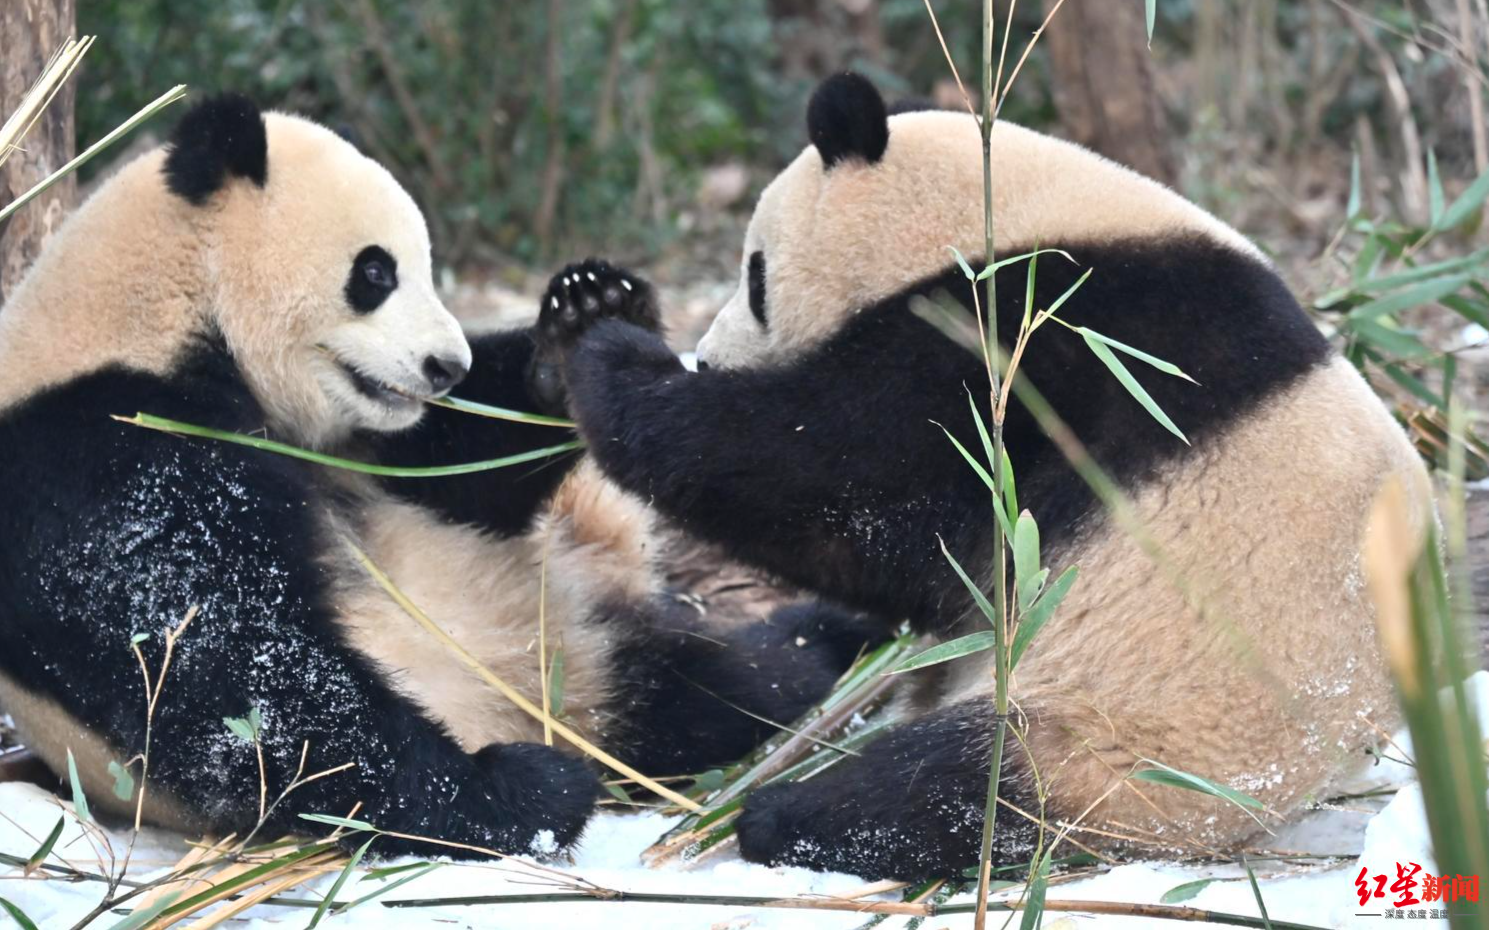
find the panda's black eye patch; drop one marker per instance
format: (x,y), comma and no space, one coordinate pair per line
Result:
(757,286)
(373,277)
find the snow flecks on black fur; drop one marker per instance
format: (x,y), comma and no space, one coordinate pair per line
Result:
(846,119)
(129,536)
(221,137)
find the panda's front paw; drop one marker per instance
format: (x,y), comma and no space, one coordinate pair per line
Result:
(767,827)
(553,794)
(578,297)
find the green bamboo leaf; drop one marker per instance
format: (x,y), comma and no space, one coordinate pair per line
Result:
(972,588)
(336,886)
(1138,392)
(45,849)
(556,683)
(1186,891)
(1034,900)
(248,878)
(424,868)
(619,793)
(390,871)
(1434,189)
(1468,203)
(1376,285)
(144,916)
(138,638)
(1029,291)
(1010,493)
(1352,209)
(1475,311)
(945,652)
(1038,615)
(1393,342)
(1426,292)
(711,780)
(242,728)
(1256,892)
(1026,256)
(333,821)
(123,781)
(1371,252)
(498,413)
(987,479)
(1053,308)
(164,425)
(1027,575)
(1162,774)
(1168,368)
(19,916)
(79,800)
(960,260)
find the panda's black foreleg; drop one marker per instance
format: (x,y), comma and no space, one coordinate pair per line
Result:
(909,808)
(696,697)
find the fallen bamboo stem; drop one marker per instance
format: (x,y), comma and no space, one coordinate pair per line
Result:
(891,908)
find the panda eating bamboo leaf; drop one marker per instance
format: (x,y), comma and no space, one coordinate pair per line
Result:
(810,442)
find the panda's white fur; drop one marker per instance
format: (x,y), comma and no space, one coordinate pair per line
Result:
(159,270)
(909,207)
(1245,653)
(225,280)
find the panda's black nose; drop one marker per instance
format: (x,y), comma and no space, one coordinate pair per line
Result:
(443,373)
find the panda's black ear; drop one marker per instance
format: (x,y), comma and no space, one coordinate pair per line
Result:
(846,119)
(221,137)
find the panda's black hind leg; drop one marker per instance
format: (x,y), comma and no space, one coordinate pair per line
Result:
(697,697)
(579,296)
(909,808)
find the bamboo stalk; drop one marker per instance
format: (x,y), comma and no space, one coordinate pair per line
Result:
(892,908)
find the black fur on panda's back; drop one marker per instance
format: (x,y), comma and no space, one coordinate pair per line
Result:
(810,522)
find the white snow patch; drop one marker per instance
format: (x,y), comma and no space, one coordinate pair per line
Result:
(1361,833)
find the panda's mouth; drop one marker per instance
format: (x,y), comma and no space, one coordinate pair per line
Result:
(375,390)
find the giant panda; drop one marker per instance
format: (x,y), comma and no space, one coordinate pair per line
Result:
(809,441)
(259,275)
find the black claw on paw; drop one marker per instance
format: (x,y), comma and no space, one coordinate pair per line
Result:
(577,298)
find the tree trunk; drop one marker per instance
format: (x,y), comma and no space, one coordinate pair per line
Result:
(30,31)
(1103,82)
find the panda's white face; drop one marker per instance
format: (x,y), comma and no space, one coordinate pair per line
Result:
(326,292)
(827,241)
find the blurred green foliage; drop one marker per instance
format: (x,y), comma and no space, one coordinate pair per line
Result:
(455,96)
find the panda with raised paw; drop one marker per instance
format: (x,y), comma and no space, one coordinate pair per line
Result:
(259,275)
(809,442)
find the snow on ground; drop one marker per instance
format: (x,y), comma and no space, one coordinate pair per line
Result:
(1322,895)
